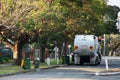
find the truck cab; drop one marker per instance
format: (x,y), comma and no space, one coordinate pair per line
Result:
(86,49)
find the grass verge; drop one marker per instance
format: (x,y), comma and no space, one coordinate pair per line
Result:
(9,69)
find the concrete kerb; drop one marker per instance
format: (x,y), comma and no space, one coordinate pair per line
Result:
(100,73)
(31,70)
(107,73)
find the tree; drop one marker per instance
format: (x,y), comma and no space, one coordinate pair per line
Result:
(27,21)
(81,17)
(21,22)
(113,44)
(110,17)
(109,24)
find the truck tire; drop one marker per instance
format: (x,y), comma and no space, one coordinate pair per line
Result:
(81,61)
(97,61)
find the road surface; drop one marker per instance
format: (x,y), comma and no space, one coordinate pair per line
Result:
(71,72)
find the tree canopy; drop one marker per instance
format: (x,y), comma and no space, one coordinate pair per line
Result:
(46,21)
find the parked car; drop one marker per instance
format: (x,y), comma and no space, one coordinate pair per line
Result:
(5,54)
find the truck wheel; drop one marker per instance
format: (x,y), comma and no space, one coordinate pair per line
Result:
(97,61)
(81,62)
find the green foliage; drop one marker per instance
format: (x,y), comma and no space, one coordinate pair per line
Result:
(110,16)
(68,17)
(30,24)
(111,12)
(47,21)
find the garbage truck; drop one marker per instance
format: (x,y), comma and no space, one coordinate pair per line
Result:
(87,50)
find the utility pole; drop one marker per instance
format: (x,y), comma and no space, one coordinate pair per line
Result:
(104,45)
(118,21)
(104,49)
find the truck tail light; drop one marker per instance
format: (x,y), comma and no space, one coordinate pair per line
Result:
(91,47)
(75,47)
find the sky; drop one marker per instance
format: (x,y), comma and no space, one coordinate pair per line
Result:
(114,2)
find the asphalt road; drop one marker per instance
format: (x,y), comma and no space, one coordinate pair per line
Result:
(71,72)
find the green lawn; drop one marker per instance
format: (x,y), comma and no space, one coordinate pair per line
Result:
(10,69)
(14,69)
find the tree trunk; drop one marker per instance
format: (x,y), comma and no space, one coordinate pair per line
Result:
(114,48)
(19,59)
(17,53)
(65,48)
(42,55)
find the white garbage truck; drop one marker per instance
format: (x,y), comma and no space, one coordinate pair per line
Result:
(87,49)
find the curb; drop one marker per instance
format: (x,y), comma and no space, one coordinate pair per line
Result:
(107,72)
(53,67)
(31,70)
